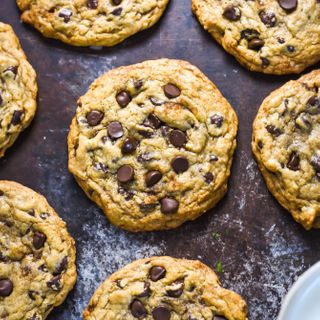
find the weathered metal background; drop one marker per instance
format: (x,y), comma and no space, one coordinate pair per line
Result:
(261,249)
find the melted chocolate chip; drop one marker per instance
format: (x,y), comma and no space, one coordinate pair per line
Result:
(146,291)
(249,34)
(62,266)
(208,177)
(116,2)
(115,130)
(65,14)
(265,62)
(156,102)
(138,310)
(100,167)
(17,117)
(147,207)
(288,5)
(94,117)
(117,12)
(125,174)
(129,146)
(313,105)
(146,134)
(165,130)
(169,205)
(273,130)
(315,161)
(128,194)
(32,294)
(218,318)
(152,121)
(39,239)
(152,178)
(161,313)
(294,161)
(138,84)
(13,69)
(177,138)
(92,4)
(268,18)
(144,157)
(176,293)
(123,98)
(1,101)
(6,287)
(255,44)
(232,13)
(171,91)
(156,273)
(55,283)
(217,120)
(180,164)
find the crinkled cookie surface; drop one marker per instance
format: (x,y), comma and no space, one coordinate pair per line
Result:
(286,144)
(18,89)
(37,255)
(91,22)
(163,288)
(270,36)
(152,144)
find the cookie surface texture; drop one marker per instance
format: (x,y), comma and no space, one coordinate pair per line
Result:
(18,88)
(91,22)
(286,144)
(37,255)
(270,36)
(163,288)
(152,144)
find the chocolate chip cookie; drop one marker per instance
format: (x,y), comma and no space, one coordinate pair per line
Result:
(152,144)
(163,288)
(18,89)
(37,255)
(270,36)
(91,22)
(286,143)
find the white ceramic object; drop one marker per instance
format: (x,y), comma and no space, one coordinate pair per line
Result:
(303,300)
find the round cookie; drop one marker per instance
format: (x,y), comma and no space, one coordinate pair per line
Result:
(18,89)
(152,144)
(270,36)
(37,255)
(163,288)
(91,22)
(286,144)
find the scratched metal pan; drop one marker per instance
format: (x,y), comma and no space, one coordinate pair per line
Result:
(255,243)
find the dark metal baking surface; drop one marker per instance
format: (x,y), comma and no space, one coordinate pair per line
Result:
(261,249)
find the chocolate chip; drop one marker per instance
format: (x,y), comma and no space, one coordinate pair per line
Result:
(65,14)
(281,40)
(255,44)
(100,166)
(146,291)
(294,161)
(288,5)
(129,146)
(152,121)
(35,317)
(161,313)
(315,161)
(55,283)
(146,134)
(171,91)
(92,4)
(165,130)
(260,144)
(249,34)
(169,205)
(32,294)
(180,164)
(17,117)
(219,318)
(177,138)
(94,117)
(208,177)
(265,62)
(268,18)
(13,69)
(232,13)
(213,158)
(273,130)
(313,105)
(156,102)
(44,215)
(290,48)
(39,239)
(138,310)
(128,194)
(61,266)
(138,84)
(123,98)
(125,174)
(1,101)
(176,293)
(156,273)
(147,207)
(217,120)
(144,157)
(115,130)
(116,2)
(152,178)
(117,12)
(6,287)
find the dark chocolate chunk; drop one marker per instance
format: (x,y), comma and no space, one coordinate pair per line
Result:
(208,177)
(156,273)
(125,174)
(219,318)
(171,91)
(92,4)
(152,121)
(144,157)
(288,5)
(232,13)
(177,138)
(115,130)
(169,205)
(138,84)
(273,130)
(156,102)
(39,239)
(12,69)
(100,166)
(116,2)
(290,48)
(249,34)
(128,194)
(6,287)
(146,290)
(1,101)
(61,266)
(147,207)
(265,62)
(123,98)
(165,130)
(65,14)
(315,161)
(161,312)
(152,178)
(255,44)
(180,164)
(138,310)
(94,117)
(129,146)
(55,283)
(294,161)
(268,18)
(213,158)
(117,12)
(176,293)
(217,120)
(17,117)
(32,294)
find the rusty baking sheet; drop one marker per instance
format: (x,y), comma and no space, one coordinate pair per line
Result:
(257,248)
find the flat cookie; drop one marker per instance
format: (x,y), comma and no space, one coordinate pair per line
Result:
(91,22)
(163,288)
(18,89)
(152,144)
(270,36)
(37,255)
(286,144)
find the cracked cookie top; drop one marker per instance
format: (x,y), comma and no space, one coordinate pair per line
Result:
(152,144)
(18,89)
(91,22)
(270,36)
(164,288)
(37,255)
(287,146)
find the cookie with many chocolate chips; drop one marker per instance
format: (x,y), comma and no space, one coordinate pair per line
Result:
(270,36)
(152,144)
(37,255)
(286,143)
(91,22)
(163,288)
(18,89)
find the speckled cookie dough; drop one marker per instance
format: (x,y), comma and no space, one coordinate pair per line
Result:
(270,36)
(164,288)
(18,89)
(286,143)
(91,22)
(152,144)
(37,255)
